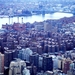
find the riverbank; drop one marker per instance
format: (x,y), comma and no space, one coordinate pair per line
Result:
(31,19)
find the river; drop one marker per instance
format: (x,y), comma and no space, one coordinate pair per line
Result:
(34,18)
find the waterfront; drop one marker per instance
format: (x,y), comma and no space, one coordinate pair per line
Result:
(34,18)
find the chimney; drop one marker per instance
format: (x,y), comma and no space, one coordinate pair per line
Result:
(18,19)
(9,19)
(12,20)
(22,19)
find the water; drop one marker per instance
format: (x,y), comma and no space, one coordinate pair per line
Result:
(34,18)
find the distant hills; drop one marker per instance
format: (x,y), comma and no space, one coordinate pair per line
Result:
(48,1)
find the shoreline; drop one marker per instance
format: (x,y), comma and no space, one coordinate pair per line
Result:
(6,16)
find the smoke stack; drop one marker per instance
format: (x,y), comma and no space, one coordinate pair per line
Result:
(18,19)
(9,19)
(12,20)
(22,19)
